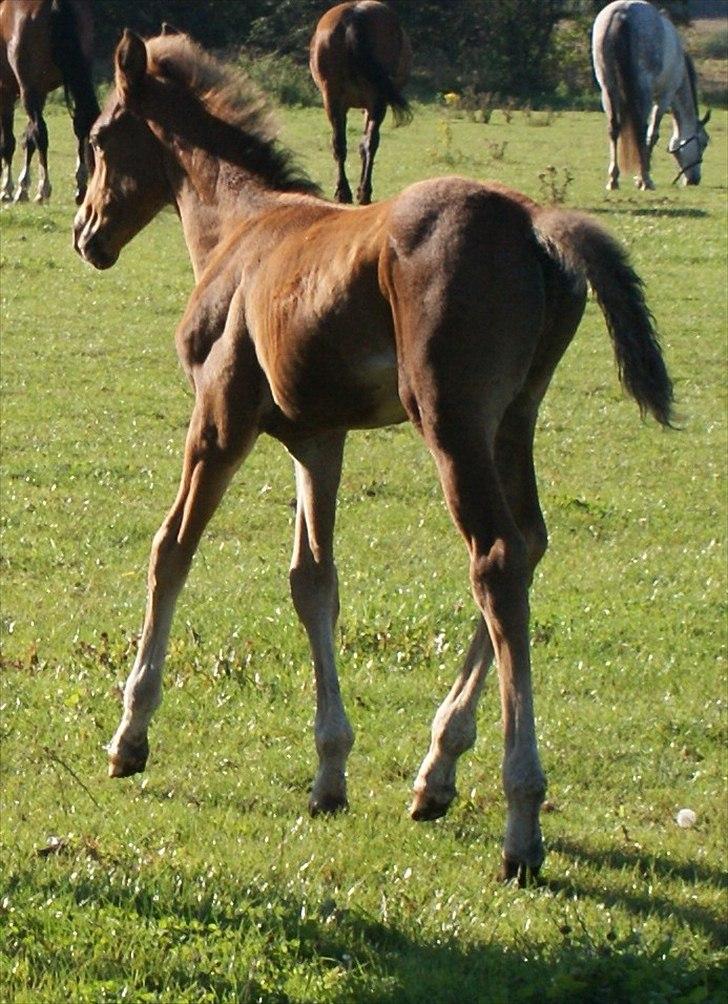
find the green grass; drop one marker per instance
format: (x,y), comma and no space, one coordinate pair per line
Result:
(204,880)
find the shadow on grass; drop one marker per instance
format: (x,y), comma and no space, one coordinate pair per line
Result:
(253,950)
(689,212)
(642,904)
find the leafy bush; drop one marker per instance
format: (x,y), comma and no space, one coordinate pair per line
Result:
(711,44)
(281,77)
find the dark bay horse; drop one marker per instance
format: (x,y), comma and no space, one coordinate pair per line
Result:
(449,305)
(360,57)
(643,72)
(44,44)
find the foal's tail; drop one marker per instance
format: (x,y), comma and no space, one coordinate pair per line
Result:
(368,66)
(582,245)
(75,68)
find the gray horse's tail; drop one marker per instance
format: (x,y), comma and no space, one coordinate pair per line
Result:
(631,112)
(369,67)
(582,245)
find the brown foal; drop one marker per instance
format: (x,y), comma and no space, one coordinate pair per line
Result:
(449,305)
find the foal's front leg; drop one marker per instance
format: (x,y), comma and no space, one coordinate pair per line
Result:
(314,589)
(207,471)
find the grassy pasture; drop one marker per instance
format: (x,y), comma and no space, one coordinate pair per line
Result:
(204,880)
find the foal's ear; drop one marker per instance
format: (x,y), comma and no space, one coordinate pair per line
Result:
(169,29)
(131,65)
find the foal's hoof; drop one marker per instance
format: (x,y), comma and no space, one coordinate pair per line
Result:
(327,805)
(129,760)
(519,870)
(425,808)
(21,195)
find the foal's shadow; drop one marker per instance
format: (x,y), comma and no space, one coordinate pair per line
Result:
(645,902)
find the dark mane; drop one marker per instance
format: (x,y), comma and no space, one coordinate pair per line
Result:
(693,79)
(239,110)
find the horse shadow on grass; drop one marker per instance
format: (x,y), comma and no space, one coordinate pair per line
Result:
(376,961)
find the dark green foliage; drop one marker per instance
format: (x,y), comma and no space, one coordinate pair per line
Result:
(501,47)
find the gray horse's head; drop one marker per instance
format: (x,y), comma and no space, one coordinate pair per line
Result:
(688,151)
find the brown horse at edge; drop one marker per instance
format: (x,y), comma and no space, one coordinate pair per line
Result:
(360,57)
(44,44)
(449,305)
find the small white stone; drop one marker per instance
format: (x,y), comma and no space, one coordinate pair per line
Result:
(686,818)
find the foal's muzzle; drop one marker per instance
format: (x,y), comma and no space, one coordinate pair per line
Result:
(89,242)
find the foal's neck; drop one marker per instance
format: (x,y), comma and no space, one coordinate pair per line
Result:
(212,196)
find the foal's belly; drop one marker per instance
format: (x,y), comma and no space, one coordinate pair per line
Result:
(335,383)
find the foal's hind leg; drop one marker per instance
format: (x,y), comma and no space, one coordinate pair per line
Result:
(314,589)
(454,726)
(368,149)
(215,447)
(499,577)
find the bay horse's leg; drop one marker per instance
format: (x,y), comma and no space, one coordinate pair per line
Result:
(368,149)
(21,190)
(80,129)
(314,589)
(7,151)
(213,452)
(337,118)
(36,138)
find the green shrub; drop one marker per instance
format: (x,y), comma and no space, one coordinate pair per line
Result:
(281,78)
(711,44)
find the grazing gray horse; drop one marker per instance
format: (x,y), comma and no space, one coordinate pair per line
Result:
(643,72)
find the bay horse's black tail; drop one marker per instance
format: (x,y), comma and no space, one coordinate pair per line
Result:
(75,68)
(368,66)
(582,245)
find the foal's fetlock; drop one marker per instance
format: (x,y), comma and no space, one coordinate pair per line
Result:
(127,758)
(328,795)
(523,872)
(426,807)
(432,797)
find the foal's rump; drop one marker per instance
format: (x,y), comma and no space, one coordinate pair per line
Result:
(474,299)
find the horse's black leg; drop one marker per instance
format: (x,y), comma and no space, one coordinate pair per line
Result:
(7,151)
(80,128)
(36,138)
(368,148)
(337,118)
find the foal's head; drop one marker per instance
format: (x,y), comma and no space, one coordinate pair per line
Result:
(172,101)
(129,183)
